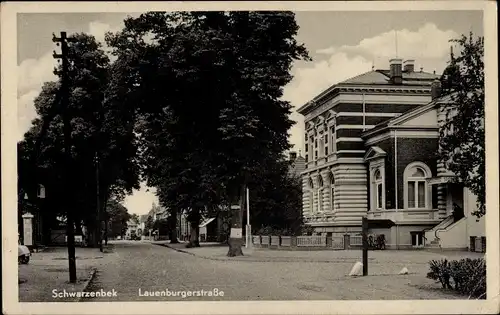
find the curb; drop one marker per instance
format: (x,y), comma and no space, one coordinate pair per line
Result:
(260,260)
(92,274)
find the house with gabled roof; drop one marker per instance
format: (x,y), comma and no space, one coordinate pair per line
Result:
(371,150)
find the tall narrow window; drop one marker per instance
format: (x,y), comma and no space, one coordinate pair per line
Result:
(332,192)
(333,144)
(311,194)
(321,145)
(417,194)
(320,194)
(379,189)
(327,146)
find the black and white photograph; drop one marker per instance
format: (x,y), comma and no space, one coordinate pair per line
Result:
(304,155)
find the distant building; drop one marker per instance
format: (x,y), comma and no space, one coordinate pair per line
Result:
(132,229)
(298,164)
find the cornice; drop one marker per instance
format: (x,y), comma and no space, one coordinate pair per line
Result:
(382,89)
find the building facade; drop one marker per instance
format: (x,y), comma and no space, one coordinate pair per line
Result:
(371,150)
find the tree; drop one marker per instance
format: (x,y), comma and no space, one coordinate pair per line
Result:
(232,66)
(135,218)
(100,128)
(462,136)
(148,225)
(119,218)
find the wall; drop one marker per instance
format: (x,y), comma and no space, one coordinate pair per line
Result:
(401,235)
(475,226)
(388,146)
(455,236)
(411,150)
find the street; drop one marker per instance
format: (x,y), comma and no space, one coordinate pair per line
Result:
(152,268)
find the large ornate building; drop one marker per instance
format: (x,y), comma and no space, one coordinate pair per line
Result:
(371,146)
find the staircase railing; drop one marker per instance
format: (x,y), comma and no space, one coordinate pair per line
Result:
(438,227)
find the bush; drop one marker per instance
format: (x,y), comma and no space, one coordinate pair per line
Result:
(468,276)
(270,231)
(440,271)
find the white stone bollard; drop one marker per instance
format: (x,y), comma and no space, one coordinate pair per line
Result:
(404,271)
(357,270)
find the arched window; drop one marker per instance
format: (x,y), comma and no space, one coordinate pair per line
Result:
(332,192)
(378,185)
(320,193)
(311,194)
(417,192)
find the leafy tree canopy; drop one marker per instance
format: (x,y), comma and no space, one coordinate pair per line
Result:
(462,140)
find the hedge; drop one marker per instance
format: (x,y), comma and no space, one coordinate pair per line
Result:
(466,276)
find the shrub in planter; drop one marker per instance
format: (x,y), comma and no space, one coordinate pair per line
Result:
(440,271)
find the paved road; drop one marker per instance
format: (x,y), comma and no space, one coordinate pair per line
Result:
(148,267)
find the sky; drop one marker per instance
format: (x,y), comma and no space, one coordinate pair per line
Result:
(341,44)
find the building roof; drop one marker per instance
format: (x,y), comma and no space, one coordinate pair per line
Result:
(376,77)
(380,78)
(403,117)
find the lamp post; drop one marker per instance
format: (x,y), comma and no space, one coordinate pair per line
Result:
(249,227)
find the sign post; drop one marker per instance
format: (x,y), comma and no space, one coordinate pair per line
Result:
(364,224)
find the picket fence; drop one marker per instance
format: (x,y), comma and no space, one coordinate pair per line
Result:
(314,241)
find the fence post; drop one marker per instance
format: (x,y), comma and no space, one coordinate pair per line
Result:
(329,242)
(347,241)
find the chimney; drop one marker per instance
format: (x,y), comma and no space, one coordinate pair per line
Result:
(293,156)
(396,71)
(436,89)
(409,65)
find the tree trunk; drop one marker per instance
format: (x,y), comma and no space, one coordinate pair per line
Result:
(194,224)
(236,235)
(173,227)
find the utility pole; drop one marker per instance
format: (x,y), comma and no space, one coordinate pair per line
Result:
(364,224)
(63,42)
(98,201)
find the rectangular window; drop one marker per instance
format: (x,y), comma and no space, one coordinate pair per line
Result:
(421,194)
(316,154)
(307,158)
(332,193)
(411,194)
(320,200)
(434,197)
(316,143)
(326,150)
(307,147)
(333,137)
(417,239)
(379,196)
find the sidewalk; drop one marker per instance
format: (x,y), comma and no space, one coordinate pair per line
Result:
(48,271)
(217,251)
